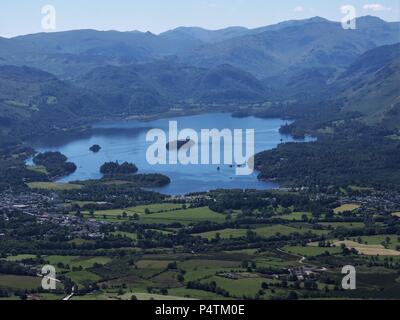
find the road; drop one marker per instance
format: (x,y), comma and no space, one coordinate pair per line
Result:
(70,295)
(303,261)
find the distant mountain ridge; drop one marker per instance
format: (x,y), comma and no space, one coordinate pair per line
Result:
(282,49)
(312,43)
(99,73)
(204,35)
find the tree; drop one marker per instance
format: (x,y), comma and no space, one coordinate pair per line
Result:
(114,168)
(164,291)
(95,148)
(265,286)
(293,296)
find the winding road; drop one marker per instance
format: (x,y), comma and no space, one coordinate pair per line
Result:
(303,261)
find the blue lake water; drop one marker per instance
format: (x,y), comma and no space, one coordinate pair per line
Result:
(126,141)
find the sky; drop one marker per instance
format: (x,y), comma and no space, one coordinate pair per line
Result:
(19,17)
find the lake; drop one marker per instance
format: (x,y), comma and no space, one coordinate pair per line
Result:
(126,141)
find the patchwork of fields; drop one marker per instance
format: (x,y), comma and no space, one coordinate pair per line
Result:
(242,261)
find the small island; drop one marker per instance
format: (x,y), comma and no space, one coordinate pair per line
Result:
(56,164)
(114,168)
(95,148)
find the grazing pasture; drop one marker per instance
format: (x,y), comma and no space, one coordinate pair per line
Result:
(80,277)
(311,251)
(284,230)
(54,186)
(223,234)
(20,257)
(368,250)
(184,216)
(296,216)
(77,261)
(347,208)
(19,282)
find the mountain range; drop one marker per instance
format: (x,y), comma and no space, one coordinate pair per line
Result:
(86,74)
(268,51)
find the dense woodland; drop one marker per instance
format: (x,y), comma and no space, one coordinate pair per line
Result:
(114,168)
(352,155)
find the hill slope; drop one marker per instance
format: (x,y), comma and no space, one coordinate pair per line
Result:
(371,87)
(155,87)
(32,100)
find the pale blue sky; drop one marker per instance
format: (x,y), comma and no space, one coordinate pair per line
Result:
(24,16)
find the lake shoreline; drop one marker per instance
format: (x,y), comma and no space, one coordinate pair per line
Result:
(130,129)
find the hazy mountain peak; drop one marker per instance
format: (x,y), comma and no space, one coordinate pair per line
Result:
(371,18)
(316,19)
(205,35)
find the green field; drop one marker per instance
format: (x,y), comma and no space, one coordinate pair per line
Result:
(379,240)
(197,269)
(151,296)
(296,216)
(51,296)
(184,216)
(139,210)
(266,232)
(224,234)
(130,235)
(347,207)
(152,264)
(347,225)
(19,282)
(80,277)
(39,169)
(208,264)
(248,287)
(194,294)
(81,203)
(368,249)
(311,251)
(158,207)
(79,242)
(54,186)
(20,257)
(284,230)
(128,296)
(171,215)
(77,261)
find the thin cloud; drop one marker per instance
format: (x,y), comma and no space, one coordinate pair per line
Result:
(376,7)
(299,9)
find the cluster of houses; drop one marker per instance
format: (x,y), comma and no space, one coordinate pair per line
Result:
(48,209)
(29,203)
(376,202)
